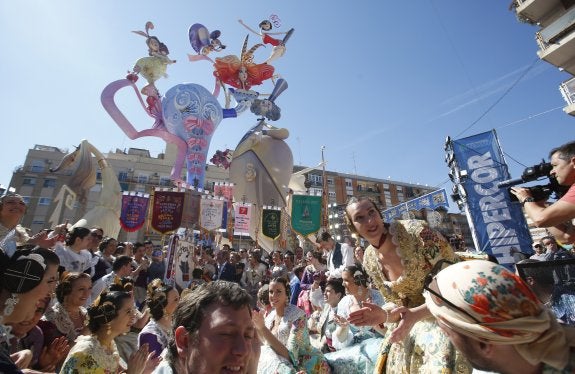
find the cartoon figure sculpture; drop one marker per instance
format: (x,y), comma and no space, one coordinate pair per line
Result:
(261,166)
(242,72)
(153,67)
(267,107)
(106,212)
(203,41)
(264,32)
(187,117)
(188,114)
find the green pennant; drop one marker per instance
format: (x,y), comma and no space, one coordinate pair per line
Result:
(271,223)
(306,214)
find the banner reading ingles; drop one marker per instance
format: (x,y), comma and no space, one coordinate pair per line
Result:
(499,223)
(167,211)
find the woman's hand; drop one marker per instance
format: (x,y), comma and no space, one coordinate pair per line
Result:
(53,354)
(151,363)
(340,321)
(368,315)
(142,361)
(407,319)
(22,358)
(258,319)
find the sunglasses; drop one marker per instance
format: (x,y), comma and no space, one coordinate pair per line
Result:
(96,235)
(436,295)
(537,246)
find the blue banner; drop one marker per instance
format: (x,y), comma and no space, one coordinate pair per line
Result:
(134,209)
(499,223)
(432,200)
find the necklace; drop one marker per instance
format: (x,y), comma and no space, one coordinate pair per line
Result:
(382,239)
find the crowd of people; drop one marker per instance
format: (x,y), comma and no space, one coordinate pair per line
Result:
(81,302)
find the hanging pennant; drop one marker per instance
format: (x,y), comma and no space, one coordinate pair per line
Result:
(224,190)
(211,212)
(191,214)
(134,209)
(167,211)
(242,218)
(306,214)
(271,223)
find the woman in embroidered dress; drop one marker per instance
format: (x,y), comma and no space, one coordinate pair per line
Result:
(286,346)
(25,279)
(356,347)
(111,314)
(68,317)
(162,302)
(398,259)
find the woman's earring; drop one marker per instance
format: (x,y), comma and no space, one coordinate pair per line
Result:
(108,329)
(10,303)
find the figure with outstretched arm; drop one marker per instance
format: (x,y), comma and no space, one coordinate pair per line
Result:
(264,32)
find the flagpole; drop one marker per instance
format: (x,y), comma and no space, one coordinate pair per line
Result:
(324,192)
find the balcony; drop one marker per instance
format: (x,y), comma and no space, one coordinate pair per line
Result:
(560,54)
(567,89)
(536,11)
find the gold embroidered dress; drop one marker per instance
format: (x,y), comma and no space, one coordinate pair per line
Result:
(426,349)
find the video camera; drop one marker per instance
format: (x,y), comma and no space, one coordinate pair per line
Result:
(539,192)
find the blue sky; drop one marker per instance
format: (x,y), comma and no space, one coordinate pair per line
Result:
(380,84)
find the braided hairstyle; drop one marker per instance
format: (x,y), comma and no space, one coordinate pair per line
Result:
(105,309)
(157,298)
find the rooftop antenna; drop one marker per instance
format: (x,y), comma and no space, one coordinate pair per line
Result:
(354,164)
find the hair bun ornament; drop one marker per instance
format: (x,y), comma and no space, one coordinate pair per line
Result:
(108,311)
(24,273)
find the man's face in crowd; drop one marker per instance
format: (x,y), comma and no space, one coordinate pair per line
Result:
(223,343)
(327,245)
(539,249)
(288,262)
(298,253)
(96,236)
(140,251)
(550,245)
(149,248)
(563,170)
(13,207)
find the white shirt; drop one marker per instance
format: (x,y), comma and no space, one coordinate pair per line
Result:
(72,261)
(346,260)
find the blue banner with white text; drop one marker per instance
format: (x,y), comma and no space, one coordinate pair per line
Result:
(432,200)
(500,225)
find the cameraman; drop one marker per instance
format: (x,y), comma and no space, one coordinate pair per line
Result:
(558,217)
